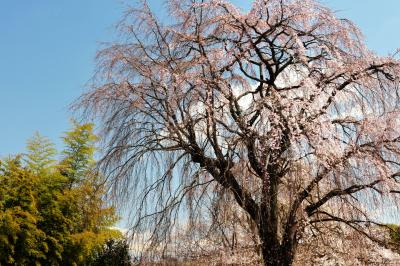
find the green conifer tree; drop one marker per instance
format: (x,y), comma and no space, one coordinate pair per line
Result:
(54,213)
(40,153)
(78,155)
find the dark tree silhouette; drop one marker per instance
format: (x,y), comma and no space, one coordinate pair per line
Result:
(114,253)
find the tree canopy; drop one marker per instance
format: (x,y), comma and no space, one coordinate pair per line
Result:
(281,113)
(54,212)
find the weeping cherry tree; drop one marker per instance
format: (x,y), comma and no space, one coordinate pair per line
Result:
(280,111)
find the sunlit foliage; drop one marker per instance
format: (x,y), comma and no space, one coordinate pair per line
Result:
(54,213)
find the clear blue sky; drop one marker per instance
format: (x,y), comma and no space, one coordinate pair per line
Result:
(47,51)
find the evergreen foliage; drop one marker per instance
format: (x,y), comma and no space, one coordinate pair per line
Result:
(40,153)
(113,253)
(54,213)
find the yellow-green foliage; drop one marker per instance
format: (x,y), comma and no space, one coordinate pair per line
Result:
(21,241)
(394,231)
(54,213)
(40,154)
(78,153)
(83,245)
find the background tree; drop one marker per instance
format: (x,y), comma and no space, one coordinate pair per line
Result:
(78,153)
(40,153)
(21,241)
(91,216)
(113,253)
(54,213)
(281,111)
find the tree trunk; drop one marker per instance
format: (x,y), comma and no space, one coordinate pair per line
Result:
(276,252)
(278,255)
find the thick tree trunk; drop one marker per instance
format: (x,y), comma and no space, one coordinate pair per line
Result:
(278,255)
(276,251)
(271,255)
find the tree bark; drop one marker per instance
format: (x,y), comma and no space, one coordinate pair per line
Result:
(277,255)
(276,251)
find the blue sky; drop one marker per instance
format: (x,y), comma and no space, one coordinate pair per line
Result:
(47,51)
